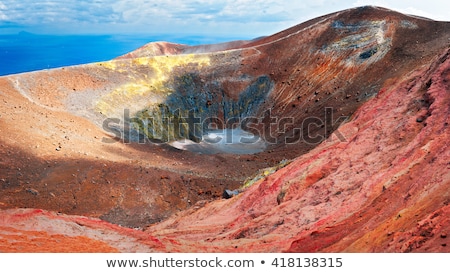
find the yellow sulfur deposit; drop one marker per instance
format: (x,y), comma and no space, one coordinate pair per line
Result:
(146,86)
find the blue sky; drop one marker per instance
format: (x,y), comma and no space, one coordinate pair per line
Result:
(238,18)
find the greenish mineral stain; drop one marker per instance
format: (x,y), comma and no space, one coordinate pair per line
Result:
(195,104)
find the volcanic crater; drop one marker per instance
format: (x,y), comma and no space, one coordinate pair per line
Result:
(328,136)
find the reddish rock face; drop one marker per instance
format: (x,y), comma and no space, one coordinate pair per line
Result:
(357,101)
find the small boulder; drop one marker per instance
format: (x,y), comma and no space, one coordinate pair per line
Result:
(227,194)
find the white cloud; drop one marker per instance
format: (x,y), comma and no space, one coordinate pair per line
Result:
(41,12)
(248,18)
(2,12)
(418,12)
(433,9)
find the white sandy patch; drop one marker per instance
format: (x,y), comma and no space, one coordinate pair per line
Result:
(231,141)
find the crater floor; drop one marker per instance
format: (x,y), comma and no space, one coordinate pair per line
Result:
(229,141)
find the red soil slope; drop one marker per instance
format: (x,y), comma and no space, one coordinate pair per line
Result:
(386,188)
(376,183)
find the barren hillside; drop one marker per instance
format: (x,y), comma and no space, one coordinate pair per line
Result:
(334,137)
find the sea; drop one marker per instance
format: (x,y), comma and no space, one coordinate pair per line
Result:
(24,51)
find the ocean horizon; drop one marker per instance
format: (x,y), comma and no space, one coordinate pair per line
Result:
(25,52)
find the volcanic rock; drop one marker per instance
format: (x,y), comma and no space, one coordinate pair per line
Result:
(360,80)
(227,194)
